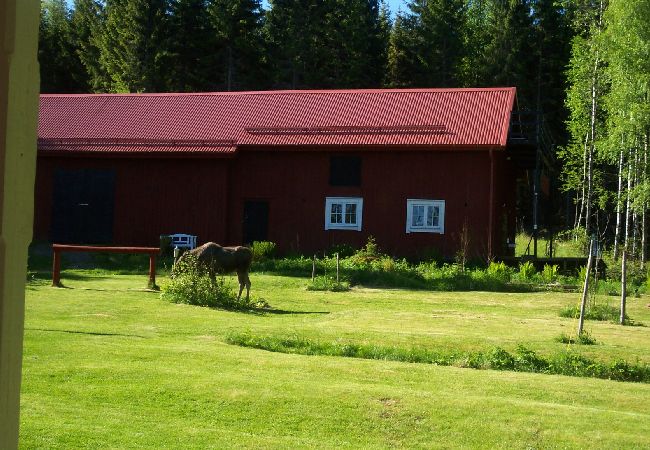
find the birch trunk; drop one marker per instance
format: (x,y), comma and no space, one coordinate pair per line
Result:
(635,215)
(644,180)
(625,246)
(619,210)
(580,200)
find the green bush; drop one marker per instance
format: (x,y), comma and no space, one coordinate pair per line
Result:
(343,250)
(499,271)
(549,273)
(263,250)
(190,284)
(585,338)
(599,311)
(325,283)
(526,271)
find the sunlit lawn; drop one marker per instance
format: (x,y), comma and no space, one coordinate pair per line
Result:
(108,365)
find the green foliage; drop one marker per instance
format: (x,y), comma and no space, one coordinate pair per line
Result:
(326,44)
(549,273)
(585,338)
(367,254)
(190,284)
(526,271)
(263,250)
(427,44)
(343,250)
(61,69)
(522,360)
(499,271)
(599,311)
(326,283)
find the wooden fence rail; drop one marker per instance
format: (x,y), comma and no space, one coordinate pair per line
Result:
(59,249)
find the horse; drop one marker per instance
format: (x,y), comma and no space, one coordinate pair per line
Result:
(217,259)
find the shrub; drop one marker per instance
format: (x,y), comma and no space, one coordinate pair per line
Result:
(367,254)
(499,271)
(344,250)
(595,312)
(190,284)
(263,250)
(526,271)
(325,283)
(549,273)
(585,338)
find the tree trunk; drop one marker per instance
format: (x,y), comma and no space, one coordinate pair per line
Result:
(619,210)
(635,214)
(579,216)
(623,284)
(644,180)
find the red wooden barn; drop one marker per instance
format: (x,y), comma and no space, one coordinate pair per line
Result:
(307,170)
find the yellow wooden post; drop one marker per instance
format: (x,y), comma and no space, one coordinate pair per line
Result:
(19,87)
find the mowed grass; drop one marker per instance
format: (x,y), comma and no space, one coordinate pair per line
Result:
(108,365)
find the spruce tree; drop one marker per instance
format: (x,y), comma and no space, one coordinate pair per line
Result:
(429,44)
(506,57)
(191,61)
(327,44)
(86,23)
(132,43)
(60,69)
(239,45)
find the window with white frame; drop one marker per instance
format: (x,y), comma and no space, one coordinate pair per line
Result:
(425,216)
(343,213)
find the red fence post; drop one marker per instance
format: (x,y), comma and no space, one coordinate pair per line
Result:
(56,269)
(152,271)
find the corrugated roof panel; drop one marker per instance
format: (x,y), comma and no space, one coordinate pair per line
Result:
(409,117)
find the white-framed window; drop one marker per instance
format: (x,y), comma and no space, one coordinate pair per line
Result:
(343,213)
(425,216)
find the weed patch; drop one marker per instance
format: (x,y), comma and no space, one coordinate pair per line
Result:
(522,359)
(325,283)
(585,338)
(601,312)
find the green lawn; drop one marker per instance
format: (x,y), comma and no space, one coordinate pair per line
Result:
(107,365)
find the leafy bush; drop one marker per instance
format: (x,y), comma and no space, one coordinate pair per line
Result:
(343,250)
(526,271)
(499,271)
(263,250)
(367,254)
(190,284)
(594,312)
(549,273)
(325,283)
(585,338)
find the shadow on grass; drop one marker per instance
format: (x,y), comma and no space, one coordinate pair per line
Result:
(280,312)
(92,333)
(267,311)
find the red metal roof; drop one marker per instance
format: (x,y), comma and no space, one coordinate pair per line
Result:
(221,122)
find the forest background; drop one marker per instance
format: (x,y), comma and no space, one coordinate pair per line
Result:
(583,64)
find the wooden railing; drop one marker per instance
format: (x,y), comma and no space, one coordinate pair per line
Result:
(59,249)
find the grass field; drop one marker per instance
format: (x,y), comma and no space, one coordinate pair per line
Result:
(108,365)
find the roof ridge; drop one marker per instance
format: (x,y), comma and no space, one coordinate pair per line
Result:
(282,92)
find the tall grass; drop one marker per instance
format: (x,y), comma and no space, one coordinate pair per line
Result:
(521,360)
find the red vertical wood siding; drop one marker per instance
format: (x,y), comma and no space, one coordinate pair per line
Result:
(205,197)
(152,197)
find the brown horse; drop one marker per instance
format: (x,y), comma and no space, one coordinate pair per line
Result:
(217,259)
